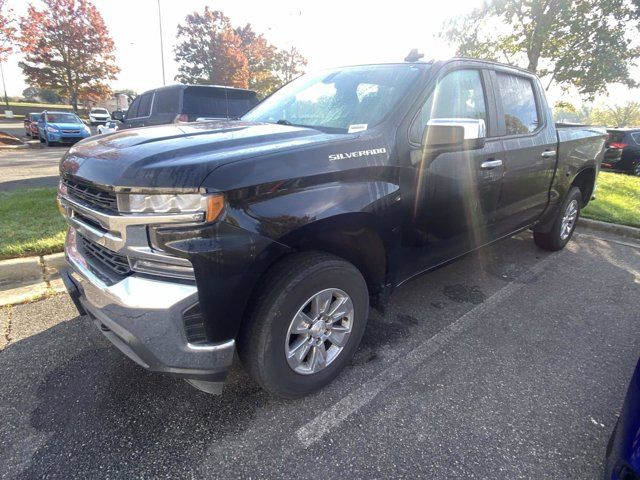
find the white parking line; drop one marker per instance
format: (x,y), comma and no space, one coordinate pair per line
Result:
(315,429)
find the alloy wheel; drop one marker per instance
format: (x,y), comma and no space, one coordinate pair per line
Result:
(319,331)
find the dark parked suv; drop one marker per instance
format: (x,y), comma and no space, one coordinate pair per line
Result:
(623,151)
(187,103)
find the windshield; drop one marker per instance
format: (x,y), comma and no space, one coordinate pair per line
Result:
(62,118)
(99,110)
(344,100)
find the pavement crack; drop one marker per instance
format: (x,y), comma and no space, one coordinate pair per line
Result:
(7,329)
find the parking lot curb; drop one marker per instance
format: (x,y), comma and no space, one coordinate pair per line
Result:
(25,279)
(615,228)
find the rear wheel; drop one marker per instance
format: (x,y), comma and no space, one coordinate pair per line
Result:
(306,324)
(564,224)
(636,169)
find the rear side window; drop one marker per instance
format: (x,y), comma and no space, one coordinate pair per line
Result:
(207,102)
(145,105)
(519,104)
(636,138)
(133,108)
(166,101)
(241,102)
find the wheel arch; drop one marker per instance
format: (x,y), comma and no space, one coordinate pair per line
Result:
(585,180)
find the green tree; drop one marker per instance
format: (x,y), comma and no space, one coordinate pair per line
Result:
(627,115)
(46,95)
(586,43)
(67,48)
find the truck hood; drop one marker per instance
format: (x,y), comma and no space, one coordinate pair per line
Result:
(179,156)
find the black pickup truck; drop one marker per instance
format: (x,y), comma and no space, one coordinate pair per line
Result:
(272,235)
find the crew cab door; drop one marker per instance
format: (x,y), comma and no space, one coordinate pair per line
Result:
(451,197)
(530,141)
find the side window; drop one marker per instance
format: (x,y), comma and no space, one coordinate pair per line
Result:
(519,104)
(636,138)
(145,105)
(133,108)
(458,95)
(166,101)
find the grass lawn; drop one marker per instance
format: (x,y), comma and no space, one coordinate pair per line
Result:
(30,223)
(617,200)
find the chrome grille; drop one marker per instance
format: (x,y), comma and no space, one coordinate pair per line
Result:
(92,196)
(104,259)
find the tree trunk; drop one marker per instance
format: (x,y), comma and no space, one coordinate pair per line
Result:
(74,99)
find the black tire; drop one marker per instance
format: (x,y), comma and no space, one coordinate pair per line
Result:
(49,144)
(40,138)
(284,290)
(636,169)
(554,240)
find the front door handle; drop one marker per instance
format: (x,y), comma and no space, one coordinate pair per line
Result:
(489,164)
(548,154)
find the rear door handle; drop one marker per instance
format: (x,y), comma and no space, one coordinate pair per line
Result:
(548,154)
(489,164)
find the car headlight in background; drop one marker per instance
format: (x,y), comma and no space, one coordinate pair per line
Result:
(210,206)
(52,129)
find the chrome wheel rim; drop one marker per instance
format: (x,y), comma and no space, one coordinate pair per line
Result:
(569,219)
(636,170)
(319,331)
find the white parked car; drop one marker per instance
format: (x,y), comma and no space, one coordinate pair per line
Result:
(108,127)
(99,115)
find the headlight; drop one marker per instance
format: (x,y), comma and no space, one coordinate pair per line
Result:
(210,205)
(52,129)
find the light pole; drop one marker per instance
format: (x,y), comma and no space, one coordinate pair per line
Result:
(4,87)
(161,44)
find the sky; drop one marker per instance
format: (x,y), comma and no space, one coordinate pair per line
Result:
(328,33)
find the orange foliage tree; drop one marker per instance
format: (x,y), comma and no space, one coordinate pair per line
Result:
(211,51)
(67,48)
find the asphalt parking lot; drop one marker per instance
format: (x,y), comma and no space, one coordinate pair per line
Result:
(36,166)
(510,363)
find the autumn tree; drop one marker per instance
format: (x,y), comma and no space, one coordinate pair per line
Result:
(7,30)
(262,60)
(586,44)
(67,48)
(292,64)
(210,51)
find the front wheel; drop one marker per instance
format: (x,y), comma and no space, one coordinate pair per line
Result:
(305,325)
(564,224)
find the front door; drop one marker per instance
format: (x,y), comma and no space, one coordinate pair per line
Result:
(451,197)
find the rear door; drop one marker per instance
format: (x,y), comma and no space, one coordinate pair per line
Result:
(529,140)
(139,111)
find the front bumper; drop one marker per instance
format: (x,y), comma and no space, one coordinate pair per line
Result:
(143,317)
(63,137)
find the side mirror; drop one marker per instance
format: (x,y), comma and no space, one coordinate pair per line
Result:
(117,115)
(450,134)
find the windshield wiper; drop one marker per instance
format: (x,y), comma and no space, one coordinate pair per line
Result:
(284,122)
